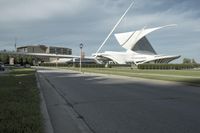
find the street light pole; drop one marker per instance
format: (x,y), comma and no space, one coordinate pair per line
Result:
(81,47)
(56,57)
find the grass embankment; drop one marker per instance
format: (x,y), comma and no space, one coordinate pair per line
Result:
(185,76)
(20,103)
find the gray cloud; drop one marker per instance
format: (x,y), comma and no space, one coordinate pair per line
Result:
(34,10)
(69,22)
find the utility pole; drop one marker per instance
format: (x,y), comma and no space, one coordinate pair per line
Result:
(15,44)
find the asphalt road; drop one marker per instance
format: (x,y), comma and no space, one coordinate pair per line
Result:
(107,104)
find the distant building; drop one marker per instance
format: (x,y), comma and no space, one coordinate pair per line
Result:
(32,49)
(59,50)
(44,49)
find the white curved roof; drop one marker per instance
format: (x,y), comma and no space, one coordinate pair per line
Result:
(129,39)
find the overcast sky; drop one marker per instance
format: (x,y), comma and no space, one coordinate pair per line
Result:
(71,22)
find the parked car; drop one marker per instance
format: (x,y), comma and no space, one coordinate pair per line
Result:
(2,67)
(27,66)
(17,65)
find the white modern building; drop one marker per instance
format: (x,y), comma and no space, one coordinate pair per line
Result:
(138,49)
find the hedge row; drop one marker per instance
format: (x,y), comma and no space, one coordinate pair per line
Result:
(117,65)
(168,66)
(141,66)
(54,64)
(73,65)
(84,65)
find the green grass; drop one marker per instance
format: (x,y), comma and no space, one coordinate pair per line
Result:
(20,103)
(185,76)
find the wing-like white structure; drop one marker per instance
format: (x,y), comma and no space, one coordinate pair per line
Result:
(139,49)
(136,40)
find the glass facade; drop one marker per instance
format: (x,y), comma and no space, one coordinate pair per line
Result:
(60,50)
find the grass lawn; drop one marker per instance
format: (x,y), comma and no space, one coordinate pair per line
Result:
(185,76)
(20,103)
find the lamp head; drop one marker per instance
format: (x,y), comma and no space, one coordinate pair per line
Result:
(81,45)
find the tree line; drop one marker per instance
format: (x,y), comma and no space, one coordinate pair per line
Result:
(18,59)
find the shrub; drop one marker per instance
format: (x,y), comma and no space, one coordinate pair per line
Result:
(168,66)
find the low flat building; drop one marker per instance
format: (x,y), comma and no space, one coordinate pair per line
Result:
(44,49)
(45,53)
(32,49)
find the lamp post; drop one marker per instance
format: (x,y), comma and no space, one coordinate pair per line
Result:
(81,47)
(56,57)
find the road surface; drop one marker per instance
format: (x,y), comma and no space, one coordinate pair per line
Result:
(79,103)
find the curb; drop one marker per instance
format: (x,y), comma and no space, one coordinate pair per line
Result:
(48,128)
